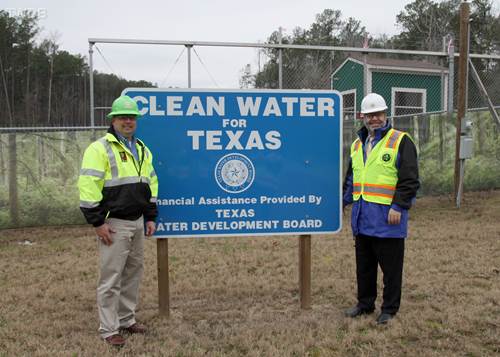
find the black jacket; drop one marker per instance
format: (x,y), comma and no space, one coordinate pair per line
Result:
(126,201)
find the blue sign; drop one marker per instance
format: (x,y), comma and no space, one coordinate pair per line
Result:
(244,162)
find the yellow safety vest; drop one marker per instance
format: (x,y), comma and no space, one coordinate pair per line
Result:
(108,164)
(375,180)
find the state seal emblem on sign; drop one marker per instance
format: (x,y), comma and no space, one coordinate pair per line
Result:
(234,173)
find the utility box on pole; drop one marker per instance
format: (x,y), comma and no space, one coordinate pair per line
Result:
(466,140)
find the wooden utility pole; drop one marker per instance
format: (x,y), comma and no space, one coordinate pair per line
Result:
(462,84)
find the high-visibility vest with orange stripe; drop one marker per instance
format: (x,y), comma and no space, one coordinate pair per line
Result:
(375,180)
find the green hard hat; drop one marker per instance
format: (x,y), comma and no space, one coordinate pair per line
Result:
(124,105)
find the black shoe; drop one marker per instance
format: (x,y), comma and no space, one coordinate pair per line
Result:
(356,311)
(115,340)
(384,317)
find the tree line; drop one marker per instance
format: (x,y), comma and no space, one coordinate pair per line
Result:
(425,25)
(43,85)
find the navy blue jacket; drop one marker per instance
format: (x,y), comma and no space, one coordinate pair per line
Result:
(371,218)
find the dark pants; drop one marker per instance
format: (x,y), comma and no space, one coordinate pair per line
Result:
(389,254)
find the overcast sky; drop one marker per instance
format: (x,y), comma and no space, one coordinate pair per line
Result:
(210,20)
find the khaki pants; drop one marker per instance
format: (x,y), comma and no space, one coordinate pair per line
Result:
(121,267)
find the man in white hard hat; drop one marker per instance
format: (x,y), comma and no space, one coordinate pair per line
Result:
(381,182)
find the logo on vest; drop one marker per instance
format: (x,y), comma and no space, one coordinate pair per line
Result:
(386,157)
(123,156)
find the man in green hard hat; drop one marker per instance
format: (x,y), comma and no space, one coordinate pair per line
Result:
(118,190)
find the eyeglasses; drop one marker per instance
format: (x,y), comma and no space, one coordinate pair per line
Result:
(373,115)
(126,117)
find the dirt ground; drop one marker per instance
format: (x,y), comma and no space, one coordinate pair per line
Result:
(239,296)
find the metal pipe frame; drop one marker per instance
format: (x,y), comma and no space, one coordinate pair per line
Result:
(49,128)
(281,46)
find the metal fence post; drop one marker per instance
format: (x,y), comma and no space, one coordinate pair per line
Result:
(189,64)
(451,76)
(280,59)
(450,97)
(365,74)
(91,89)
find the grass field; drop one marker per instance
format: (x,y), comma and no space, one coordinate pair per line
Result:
(239,296)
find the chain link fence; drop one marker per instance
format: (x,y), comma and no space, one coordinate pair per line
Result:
(39,177)
(39,167)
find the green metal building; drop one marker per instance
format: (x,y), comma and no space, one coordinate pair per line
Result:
(408,86)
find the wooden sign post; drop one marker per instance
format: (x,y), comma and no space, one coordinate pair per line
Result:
(305,271)
(163,283)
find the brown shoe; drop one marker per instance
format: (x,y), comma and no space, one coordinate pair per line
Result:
(135,328)
(115,340)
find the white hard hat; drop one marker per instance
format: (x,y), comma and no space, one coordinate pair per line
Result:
(373,103)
